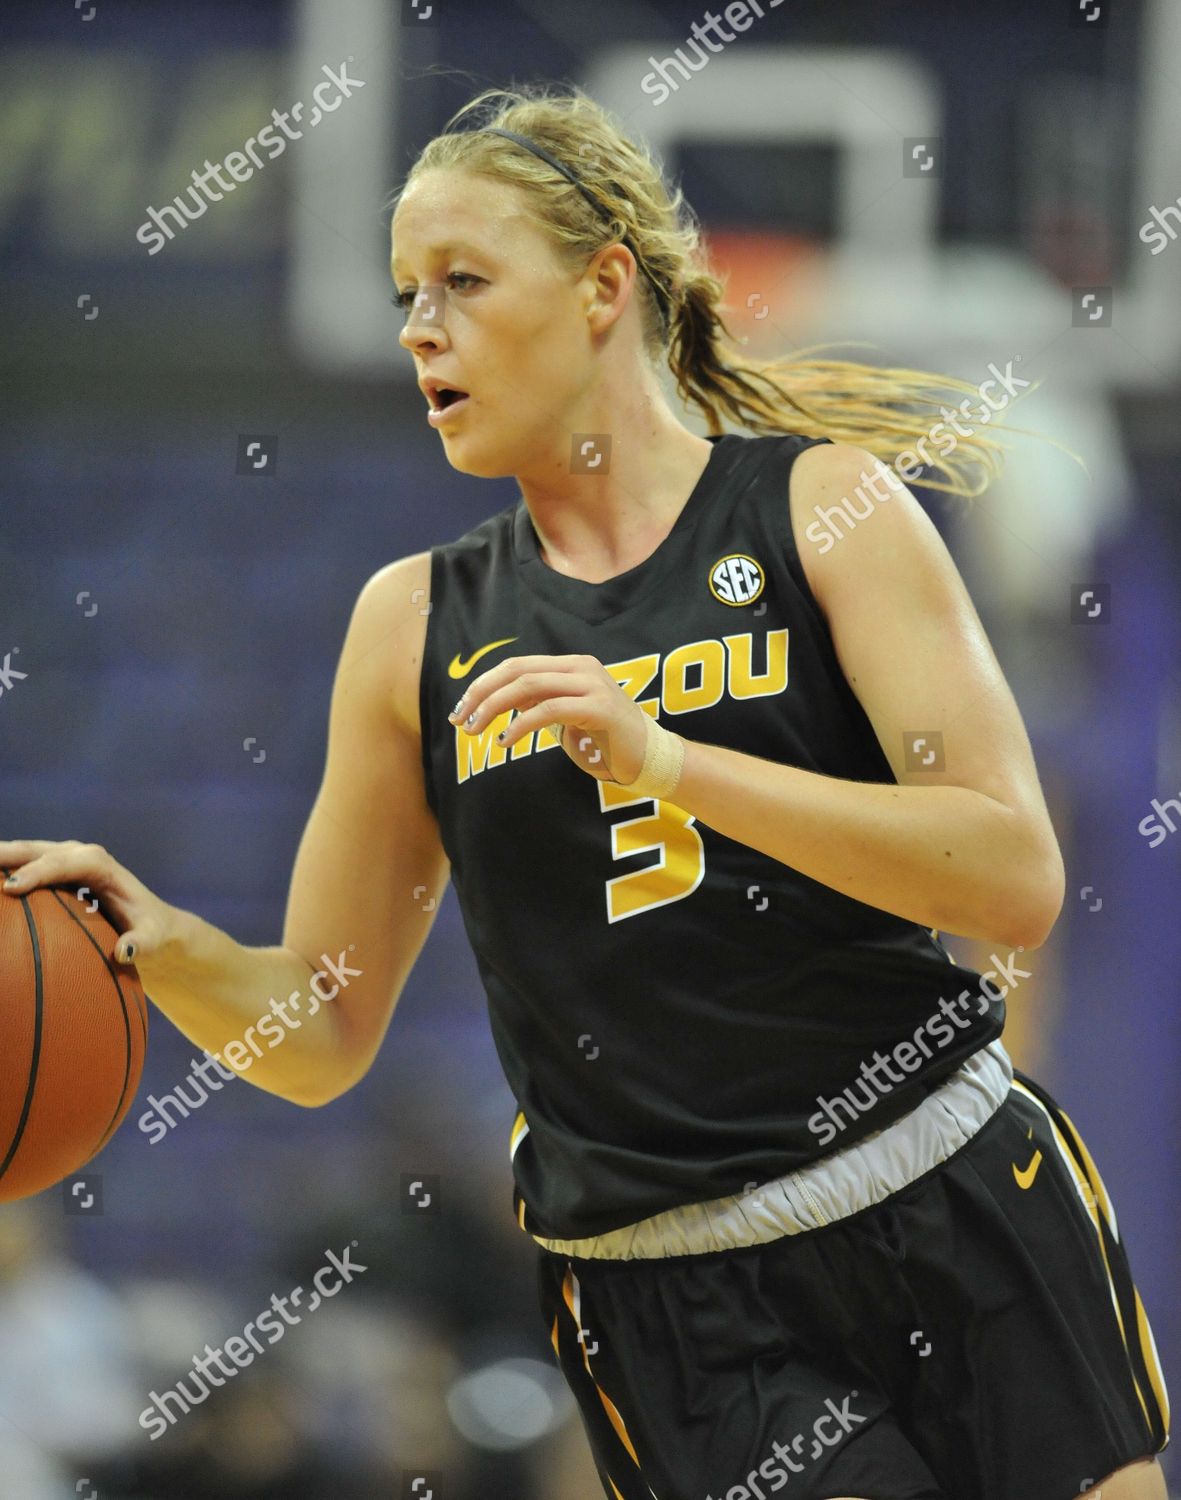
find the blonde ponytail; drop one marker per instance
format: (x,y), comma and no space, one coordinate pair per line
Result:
(620,195)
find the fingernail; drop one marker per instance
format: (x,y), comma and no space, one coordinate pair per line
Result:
(128,953)
(12,880)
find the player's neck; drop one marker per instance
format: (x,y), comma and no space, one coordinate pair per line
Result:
(598,519)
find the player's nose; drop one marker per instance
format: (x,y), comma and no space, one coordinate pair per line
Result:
(424,328)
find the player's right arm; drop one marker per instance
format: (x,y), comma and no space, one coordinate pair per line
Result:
(364,890)
(371,870)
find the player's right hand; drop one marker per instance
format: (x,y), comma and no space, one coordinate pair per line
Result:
(145,923)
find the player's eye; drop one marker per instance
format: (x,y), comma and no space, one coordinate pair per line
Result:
(405,300)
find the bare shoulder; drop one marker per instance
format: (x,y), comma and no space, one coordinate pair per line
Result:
(829,475)
(396,603)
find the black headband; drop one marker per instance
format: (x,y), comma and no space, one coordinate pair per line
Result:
(521,140)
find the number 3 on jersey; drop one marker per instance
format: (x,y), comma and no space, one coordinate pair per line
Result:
(668,829)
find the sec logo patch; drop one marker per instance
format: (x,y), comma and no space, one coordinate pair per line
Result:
(736,579)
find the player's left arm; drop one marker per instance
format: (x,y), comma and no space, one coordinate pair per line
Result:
(967,848)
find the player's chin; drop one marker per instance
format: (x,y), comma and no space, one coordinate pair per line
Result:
(483,450)
(479,466)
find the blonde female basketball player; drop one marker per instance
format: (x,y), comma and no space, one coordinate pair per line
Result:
(799,1223)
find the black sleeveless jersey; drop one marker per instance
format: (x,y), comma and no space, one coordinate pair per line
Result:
(678,1016)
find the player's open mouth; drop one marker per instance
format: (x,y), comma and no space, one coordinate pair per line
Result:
(445,402)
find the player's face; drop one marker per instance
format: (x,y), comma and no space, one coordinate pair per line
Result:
(508,322)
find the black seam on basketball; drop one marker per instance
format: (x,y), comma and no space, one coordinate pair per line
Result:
(141,1014)
(35,1059)
(89,936)
(141,1010)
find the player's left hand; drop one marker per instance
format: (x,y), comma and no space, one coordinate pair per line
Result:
(605,733)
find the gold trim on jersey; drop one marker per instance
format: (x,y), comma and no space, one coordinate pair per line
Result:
(519,1131)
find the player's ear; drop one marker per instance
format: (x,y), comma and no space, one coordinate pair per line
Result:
(607,284)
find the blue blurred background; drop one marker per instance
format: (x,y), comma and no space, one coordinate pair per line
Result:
(954,184)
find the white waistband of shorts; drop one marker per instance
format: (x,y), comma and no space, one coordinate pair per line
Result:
(832,1188)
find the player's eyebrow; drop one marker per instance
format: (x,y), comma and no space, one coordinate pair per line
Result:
(437,250)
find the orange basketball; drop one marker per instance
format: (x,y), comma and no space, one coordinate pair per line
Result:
(73,1032)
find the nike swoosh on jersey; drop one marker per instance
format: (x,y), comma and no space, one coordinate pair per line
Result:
(460,668)
(1025,1179)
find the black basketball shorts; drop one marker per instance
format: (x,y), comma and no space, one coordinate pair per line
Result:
(974,1336)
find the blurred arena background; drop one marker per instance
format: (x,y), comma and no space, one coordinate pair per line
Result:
(210,446)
